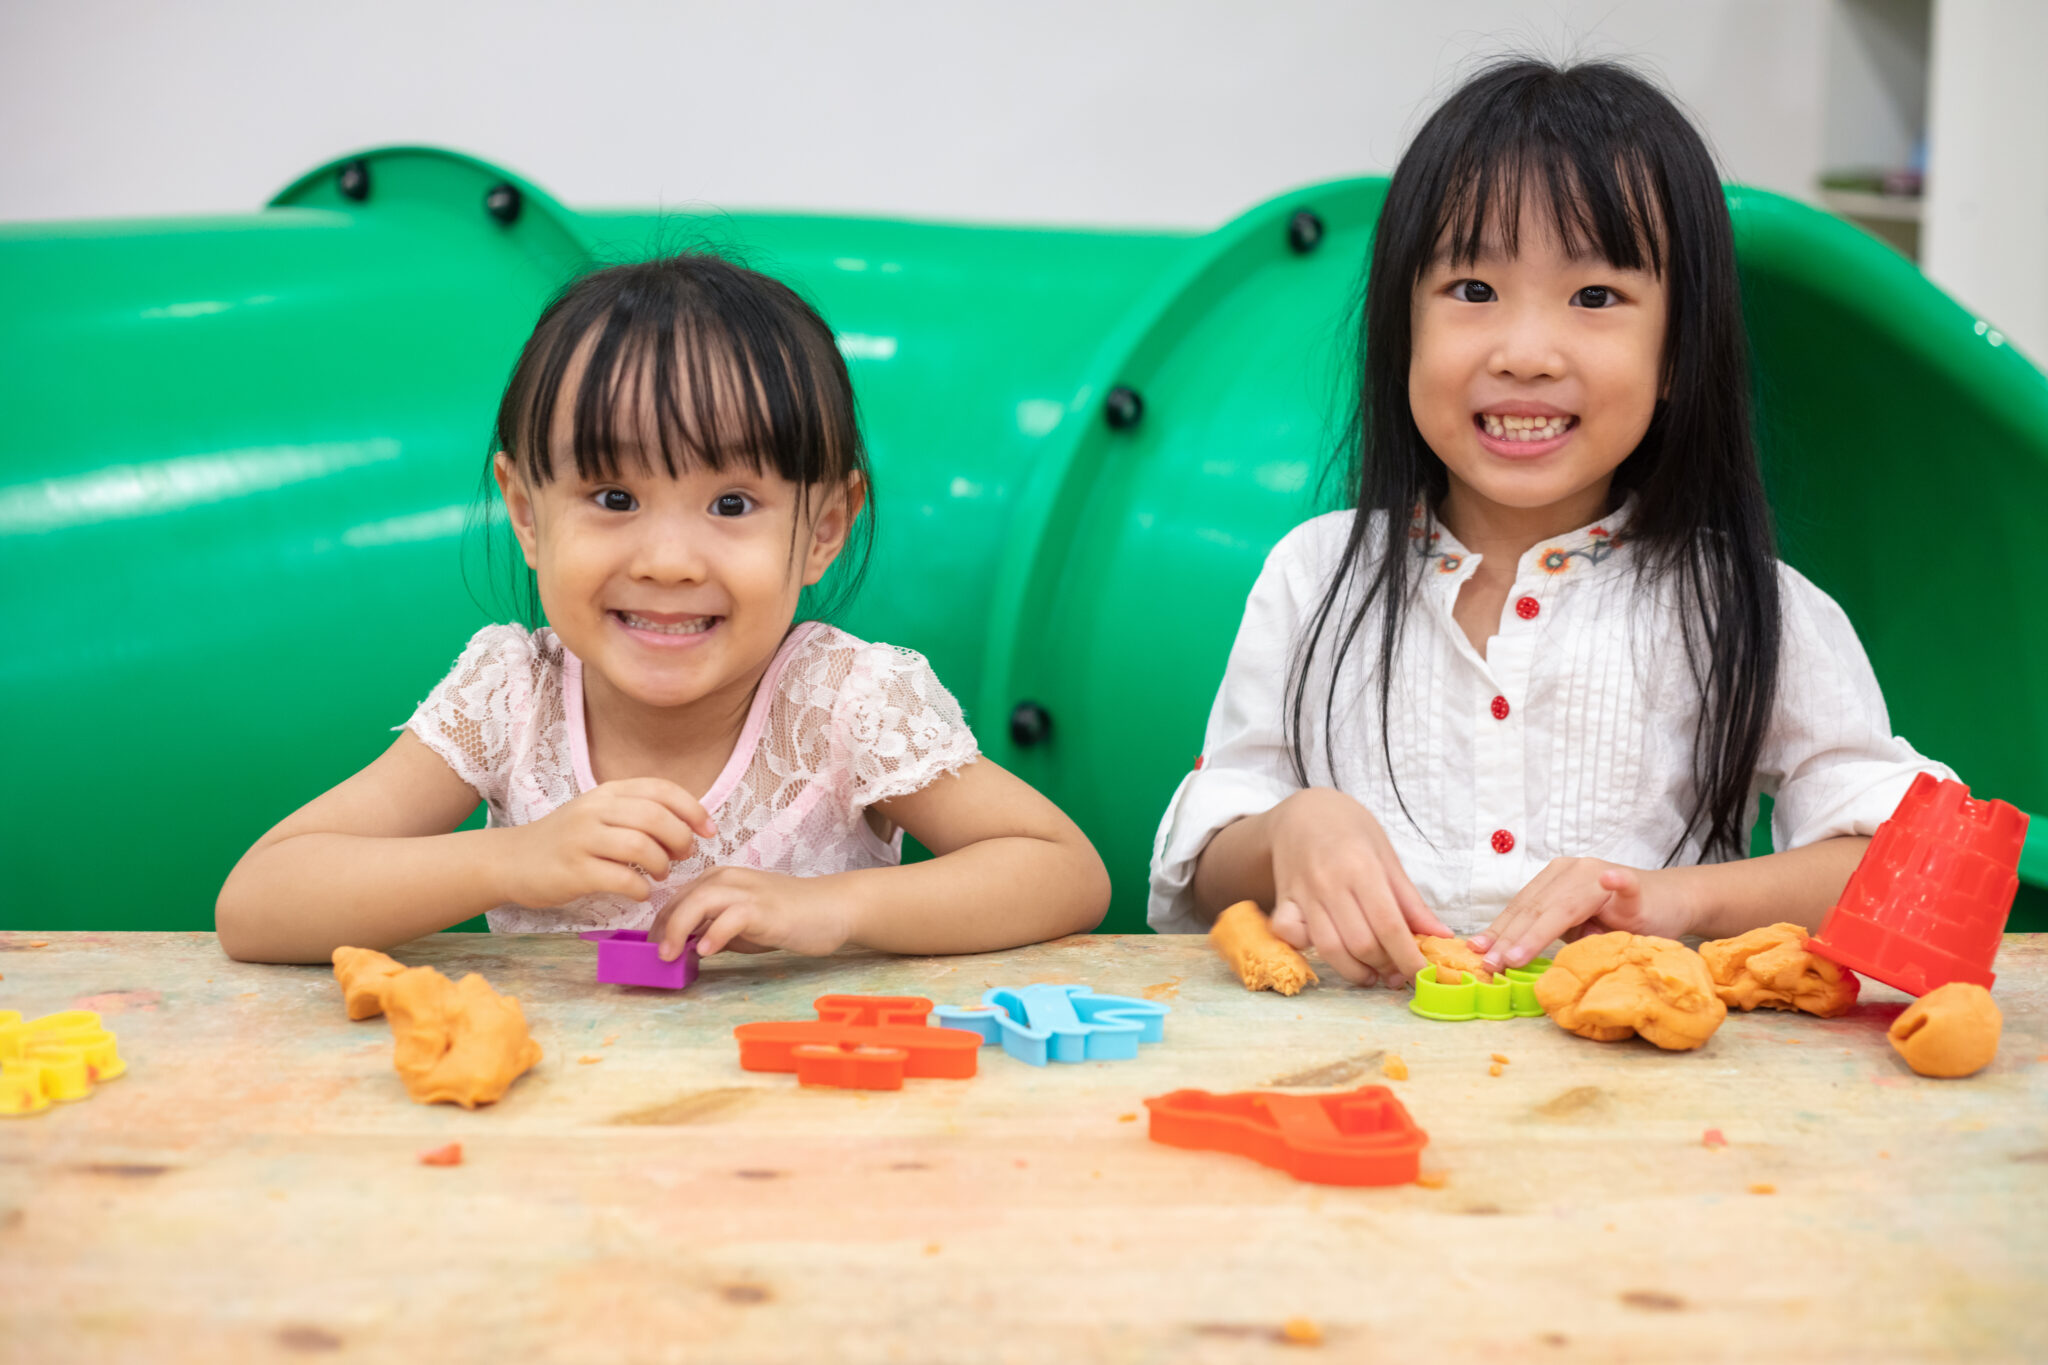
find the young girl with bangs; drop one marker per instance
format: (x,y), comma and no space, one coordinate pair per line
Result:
(1534,683)
(679,458)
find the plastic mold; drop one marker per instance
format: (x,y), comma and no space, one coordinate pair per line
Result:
(1045,1023)
(1353,1137)
(626,958)
(1510,995)
(1928,902)
(860,1042)
(57,1057)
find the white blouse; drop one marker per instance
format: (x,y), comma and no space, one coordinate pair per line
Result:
(1572,737)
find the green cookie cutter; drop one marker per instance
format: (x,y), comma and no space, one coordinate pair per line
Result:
(1511,994)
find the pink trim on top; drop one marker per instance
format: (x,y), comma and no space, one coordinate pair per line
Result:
(742,752)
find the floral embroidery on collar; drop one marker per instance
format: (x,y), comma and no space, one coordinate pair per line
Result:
(1600,545)
(1426,540)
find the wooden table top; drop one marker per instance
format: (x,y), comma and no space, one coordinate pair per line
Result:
(250,1190)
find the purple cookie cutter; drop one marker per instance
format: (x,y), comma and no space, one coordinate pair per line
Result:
(626,958)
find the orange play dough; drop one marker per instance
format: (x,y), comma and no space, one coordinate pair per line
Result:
(1770,967)
(1453,954)
(1262,960)
(1608,986)
(1950,1031)
(457,1042)
(363,974)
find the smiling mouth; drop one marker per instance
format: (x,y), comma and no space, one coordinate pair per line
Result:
(1523,428)
(688,625)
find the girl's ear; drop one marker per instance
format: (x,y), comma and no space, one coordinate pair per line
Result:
(832,525)
(518,505)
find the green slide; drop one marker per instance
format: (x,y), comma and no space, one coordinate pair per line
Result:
(240,533)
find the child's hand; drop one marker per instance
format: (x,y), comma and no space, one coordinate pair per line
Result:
(1573,897)
(752,911)
(1339,885)
(618,837)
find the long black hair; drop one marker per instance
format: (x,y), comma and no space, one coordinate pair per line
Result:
(1624,176)
(688,361)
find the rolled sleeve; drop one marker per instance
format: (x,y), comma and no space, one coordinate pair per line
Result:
(1830,762)
(1245,769)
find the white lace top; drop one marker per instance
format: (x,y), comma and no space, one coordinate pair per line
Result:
(1571,737)
(837,725)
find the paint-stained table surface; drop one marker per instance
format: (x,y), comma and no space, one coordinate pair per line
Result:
(251,1189)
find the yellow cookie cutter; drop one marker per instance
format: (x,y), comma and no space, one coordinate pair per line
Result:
(57,1057)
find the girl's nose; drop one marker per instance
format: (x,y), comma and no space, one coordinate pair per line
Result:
(1527,348)
(668,555)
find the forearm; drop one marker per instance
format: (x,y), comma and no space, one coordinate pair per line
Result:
(1236,866)
(300,898)
(989,895)
(1798,886)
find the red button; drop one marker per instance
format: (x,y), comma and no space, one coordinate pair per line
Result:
(1500,708)
(1503,842)
(1527,608)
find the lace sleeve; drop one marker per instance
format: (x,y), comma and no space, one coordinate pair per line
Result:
(472,717)
(896,726)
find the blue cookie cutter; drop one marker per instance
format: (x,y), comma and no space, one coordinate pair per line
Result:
(1042,1023)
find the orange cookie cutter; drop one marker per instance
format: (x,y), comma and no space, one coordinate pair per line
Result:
(861,1042)
(1349,1137)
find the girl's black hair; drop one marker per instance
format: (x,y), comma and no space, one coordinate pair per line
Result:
(688,361)
(1625,177)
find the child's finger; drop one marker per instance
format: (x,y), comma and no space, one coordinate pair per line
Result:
(730,923)
(1288,925)
(657,820)
(1414,910)
(687,808)
(1322,932)
(1389,924)
(602,874)
(1568,905)
(1498,937)
(622,844)
(699,903)
(1363,923)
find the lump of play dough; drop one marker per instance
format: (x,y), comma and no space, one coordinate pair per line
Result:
(457,1042)
(1452,955)
(363,974)
(1950,1031)
(1263,961)
(1607,986)
(1771,967)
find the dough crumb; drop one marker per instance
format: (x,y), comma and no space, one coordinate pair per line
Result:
(1261,959)
(1494,1070)
(1393,1068)
(1950,1031)
(1763,1187)
(1433,1180)
(451,1155)
(609,1039)
(1501,1059)
(1770,968)
(1301,1332)
(586,1060)
(1126,1118)
(931,1248)
(1712,1138)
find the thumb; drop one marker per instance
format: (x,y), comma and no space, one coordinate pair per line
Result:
(1290,926)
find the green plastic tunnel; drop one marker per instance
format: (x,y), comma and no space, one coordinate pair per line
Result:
(240,470)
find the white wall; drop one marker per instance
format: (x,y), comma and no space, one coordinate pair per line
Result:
(1985,237)
(1100,111)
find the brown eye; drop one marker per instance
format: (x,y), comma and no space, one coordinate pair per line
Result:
(731,505)
(1472,291)
(1595,296)
(617,500)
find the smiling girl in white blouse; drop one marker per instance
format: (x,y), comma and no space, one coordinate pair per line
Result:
(1534,684)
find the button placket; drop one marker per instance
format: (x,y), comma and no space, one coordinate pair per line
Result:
(1502,805)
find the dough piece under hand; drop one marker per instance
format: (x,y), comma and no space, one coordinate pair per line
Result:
(457,1042)
(1950,1031)
(1607,986)
(1261,959)
(1455,954)
(363,974)
(1771,967)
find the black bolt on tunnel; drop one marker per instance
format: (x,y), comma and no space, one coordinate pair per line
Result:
(1304,232)
(353,180)
(503,202)
(1030,725)
(1124,408)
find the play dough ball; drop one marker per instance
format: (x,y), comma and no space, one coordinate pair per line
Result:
(1950,1031)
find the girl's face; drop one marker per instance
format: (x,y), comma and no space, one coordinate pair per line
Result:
(677,588)
(1535,375)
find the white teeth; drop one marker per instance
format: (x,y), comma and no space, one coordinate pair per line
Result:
(696,625)
(1524,428)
